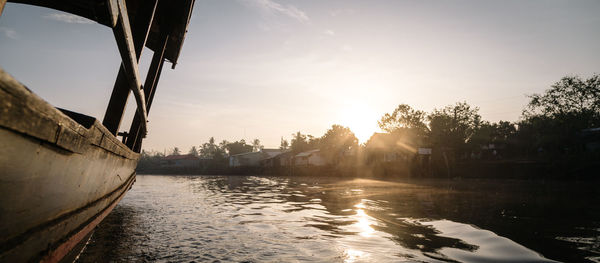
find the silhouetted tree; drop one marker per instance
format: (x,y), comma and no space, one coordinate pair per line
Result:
(569,96)
(176,151)
(149,160)
(453,126)
(210,150)
(313,142)
(256,146)
(238,147)
(299,143)
(193,151)
(552,120)
(504,131)
(406,127)
(336,142)
(404,117)
(284,145)
(223,146)
(499,134)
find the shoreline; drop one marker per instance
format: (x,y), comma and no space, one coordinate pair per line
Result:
(502,170)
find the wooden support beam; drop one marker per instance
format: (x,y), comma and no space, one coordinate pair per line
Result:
(122,32)
(138,142)
(116,105)
(2,3)
(105,12)
(118,100)
(113,12)
(158,60)
(150,97)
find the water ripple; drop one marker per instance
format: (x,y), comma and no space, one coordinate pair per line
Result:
(263,219)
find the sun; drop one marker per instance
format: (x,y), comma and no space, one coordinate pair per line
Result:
(361,119)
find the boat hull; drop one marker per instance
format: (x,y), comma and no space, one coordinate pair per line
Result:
(61,173)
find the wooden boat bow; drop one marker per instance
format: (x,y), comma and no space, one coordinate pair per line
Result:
(62,172)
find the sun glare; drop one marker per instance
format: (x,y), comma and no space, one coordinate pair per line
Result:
(361,119)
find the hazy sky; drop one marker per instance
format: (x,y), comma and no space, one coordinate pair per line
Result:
(268,68)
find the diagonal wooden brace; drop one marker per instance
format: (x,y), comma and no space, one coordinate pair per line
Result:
(122,33)
(2,3)
(134,140)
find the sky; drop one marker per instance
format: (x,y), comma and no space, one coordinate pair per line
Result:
(268,68)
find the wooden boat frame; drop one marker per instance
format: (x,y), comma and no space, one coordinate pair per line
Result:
(62,172)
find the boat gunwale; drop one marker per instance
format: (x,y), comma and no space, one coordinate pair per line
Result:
(20,106)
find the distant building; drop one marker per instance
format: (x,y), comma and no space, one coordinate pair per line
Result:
(424,151)
(382,147)
(286,158)
(245,159)
(310,158)
(206,161)
(281,160)
(270,153)
(252,159)
(187,160)
(393,147)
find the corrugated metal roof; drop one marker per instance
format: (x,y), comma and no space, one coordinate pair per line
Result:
(307,153)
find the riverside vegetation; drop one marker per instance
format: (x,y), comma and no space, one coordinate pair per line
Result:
(557,136)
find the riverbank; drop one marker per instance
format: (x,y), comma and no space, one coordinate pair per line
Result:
(516,169)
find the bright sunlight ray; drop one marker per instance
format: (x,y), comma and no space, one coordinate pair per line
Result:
(361,119)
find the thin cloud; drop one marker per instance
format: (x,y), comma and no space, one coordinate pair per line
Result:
(329,32)
(9,32)
(272,7)
(342,12)
(68,18)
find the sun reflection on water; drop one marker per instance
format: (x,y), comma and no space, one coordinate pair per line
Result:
(364,229)
(353,255)
(363,221)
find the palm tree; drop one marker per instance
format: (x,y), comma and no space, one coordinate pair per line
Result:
(176,151)
(256,145)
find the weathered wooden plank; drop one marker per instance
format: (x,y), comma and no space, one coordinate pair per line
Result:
(138,142)
(118,99)
(177,15)
(59,252)
(116,105)
(95,10)
(26,113)
(123,36)
(2,3)
(66,190)
(113,12)
(151,83)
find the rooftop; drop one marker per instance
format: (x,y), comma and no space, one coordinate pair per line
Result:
(181,157)
(307,153)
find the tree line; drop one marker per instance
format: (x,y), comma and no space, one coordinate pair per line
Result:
(552,126)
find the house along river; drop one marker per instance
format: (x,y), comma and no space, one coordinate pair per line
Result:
(312,219)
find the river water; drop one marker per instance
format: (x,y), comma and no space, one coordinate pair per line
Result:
(285,219)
